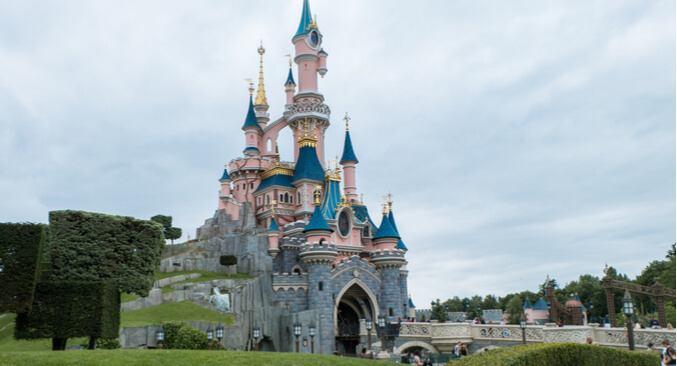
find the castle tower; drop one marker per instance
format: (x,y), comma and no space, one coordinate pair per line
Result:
(318,255)
(308,172)
(225,188)
(252,129)
(289,86)
(348,161)
(261,103)
(311,60)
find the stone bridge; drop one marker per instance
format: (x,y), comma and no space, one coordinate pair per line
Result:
(442,337)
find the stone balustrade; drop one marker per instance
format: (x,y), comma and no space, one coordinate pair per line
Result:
(444,336)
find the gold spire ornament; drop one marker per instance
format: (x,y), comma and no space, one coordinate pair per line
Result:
(347,119)
(272,207)
(261,93)
(390,202)
(316,196)
(251,87)
(306,133)
(289,56)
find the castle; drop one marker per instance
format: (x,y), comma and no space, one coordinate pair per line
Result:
(329,261)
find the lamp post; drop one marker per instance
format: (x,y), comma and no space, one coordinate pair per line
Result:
(467,306)
(297,333)
(479,312)
(523,325)
(256,331)
(219,334)
(210,336)
(549,312)
(368,324)
(160,336)
(629,310)
(382,326)
(432,310)
(311,333)
(590,318)
(446,312)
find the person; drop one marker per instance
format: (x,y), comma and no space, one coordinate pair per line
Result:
(607,322)
(669,358)
(457,349)
(458,320)
(422,318)
(463,351)
(588,340)
(476,321)
(364,353)
(666,351)
(670,326)
(428,362)
(654,324)
(417,359)
(650,347)
(405,359)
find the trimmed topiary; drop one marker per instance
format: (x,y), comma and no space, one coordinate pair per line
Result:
(21,248)
(181,335)
(228,260)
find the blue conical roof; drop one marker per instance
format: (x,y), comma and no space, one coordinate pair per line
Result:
(273,225)
(385,230)
(225,175)
(400,243)
(307,165)
(541,305)
(348,152)
(317,222)
(306,18)
(332,198)
(527,304)
(290,79)
(251,121)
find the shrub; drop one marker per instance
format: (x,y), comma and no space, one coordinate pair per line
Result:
(559,354)
(20,256)
(181,335)
(228,260)
(104,344)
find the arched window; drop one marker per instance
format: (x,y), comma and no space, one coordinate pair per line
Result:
(269,145)
(267,199)
(258,201)
(291,198)
(251,185)
(281,199)
(298,198)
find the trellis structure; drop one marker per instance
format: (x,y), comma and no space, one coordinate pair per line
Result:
(658,291)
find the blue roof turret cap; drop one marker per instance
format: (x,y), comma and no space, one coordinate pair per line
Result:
(527,304)
(411,303)
(308,165)
(541,305)
(273,225)
(317,222)
(251,121)
(306,19)
(290,79)
(225,174)
(385,230)
(400,243)
(348,152)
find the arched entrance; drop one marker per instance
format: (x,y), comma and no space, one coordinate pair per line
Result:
(355,302)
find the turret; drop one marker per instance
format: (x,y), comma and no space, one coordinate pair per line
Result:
(251,128)
(310,57)
(225,187)
(273,235)
(348,161)
(289,86)
(391,218)
(386,237)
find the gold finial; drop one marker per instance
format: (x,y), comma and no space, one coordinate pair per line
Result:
(390,202)
(306,133)
(385,204)
(288,55)
(313,23)
(277,153)
(272,207)
(251,87)
(261,93)
(316,196)
(361,198)
(347,119)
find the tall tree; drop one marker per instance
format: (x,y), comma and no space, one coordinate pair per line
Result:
(170,232)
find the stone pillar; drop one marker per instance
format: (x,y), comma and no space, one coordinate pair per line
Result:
(388,263)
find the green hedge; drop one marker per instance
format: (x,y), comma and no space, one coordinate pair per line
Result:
(181,335)
(87,246)
(559,354)
(20,254)
(68,309)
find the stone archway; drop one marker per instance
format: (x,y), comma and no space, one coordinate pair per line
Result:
(354,302)
(415,344)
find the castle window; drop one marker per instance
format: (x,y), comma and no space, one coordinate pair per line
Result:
(320,286)
(390,312)
(258,201)
(267,199)
(291,198)
(298,198)
(251,185)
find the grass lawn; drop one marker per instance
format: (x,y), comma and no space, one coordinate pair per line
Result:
(9,344)
(184,310)
(176,357)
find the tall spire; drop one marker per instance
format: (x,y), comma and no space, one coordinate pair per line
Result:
(348,152)
(306,19)
(261,93)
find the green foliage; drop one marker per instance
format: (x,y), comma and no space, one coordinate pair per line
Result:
(438,312)
(68,309)
(559,354)
(103,344)
(514,308)
(20,257)
(170,232)
(181,335)
(588,288)
(228,260)
(88,246)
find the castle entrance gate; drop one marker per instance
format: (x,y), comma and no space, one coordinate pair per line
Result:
(355,302)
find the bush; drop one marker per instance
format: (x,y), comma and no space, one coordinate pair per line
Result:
(104,344)
(20,256)
(181,335)
(559,354)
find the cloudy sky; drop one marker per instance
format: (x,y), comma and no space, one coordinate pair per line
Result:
(518,138)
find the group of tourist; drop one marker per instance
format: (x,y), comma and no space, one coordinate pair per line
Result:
(415,359)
